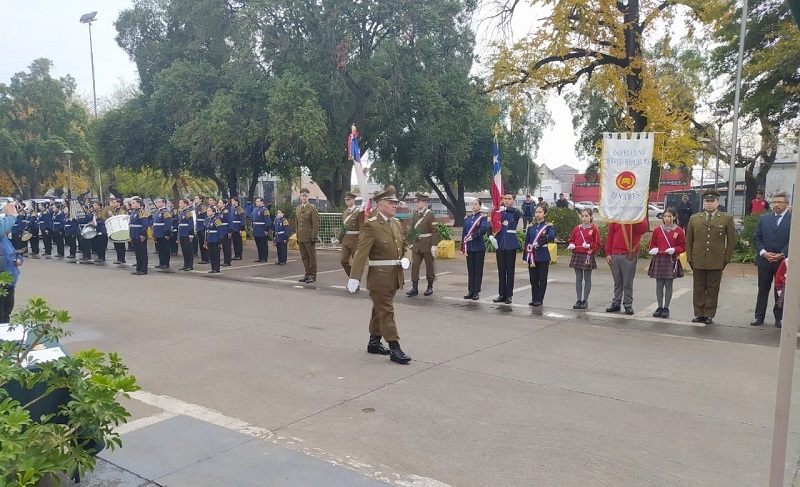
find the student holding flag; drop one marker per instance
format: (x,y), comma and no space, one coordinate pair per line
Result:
(537,255)
(474,247)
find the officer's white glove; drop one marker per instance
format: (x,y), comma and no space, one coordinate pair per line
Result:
(536,245)
(493,240)
(780,293)
(405,263)
(433,250)
(502,208)
(670,251)
(654,251)
(352,285)
(571,246)
(586,245)
(334,241)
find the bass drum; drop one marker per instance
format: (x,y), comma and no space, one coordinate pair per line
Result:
(89,232)
(26,235)
(118,228)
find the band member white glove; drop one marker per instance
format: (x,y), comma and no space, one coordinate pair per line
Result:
(585,245)
(502,208)
(493,240)
(571,246)
(433,250)
(468,239)
(536,245)
(405,263)
(352,285)
(670,251)
(654,251)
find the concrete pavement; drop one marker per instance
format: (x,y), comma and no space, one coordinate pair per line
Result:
(250,378)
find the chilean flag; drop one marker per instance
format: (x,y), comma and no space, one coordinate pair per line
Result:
(497,188)
(354,154)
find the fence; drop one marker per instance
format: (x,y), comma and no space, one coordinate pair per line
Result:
(330,224)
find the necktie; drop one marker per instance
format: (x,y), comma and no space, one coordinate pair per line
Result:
(777,219)
(708,217)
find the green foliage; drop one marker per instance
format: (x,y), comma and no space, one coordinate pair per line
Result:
(644,246)
(445,232)
(63,443)
(563,220)
(745,237)
(520,238)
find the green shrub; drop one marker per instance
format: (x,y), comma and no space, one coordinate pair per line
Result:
(749,224)
(445,232)
(520,237)
(564,220)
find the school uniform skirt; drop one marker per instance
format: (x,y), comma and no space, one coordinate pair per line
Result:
(578,261)
(665,266)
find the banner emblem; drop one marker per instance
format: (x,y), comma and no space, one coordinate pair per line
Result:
(626,180)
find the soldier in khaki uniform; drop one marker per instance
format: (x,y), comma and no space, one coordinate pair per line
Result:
(348,235)
(424,248)
(710,240)
(307,225)
(381,246)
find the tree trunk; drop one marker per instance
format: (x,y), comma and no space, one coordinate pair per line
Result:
(251,190)
(768,152)
(633,52)
(233,183)
(454,202)
(218,182)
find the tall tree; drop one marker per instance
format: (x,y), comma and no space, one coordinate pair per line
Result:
(40,120)
(605,40)
(770,95)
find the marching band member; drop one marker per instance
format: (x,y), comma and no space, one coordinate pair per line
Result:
(213,226)
(33,226)
(17,230)
(226,216)
(140,222)
(186,233)
(162,232)
(475,227)
(200,229)
(238,220)
(119,247)
(70,226)
(281,240)
(58,230)
(173,243)
(100,242)
(261,226)
(45,222)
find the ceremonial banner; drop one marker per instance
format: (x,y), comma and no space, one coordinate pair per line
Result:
(497,186)
(354,154)
(625,176)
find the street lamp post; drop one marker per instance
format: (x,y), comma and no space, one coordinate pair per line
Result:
(88,19)
(703,141)
(721,115)
(69,153)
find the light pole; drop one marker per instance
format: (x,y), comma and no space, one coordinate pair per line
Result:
(721,115)
(88,19)
(69,153)
(703,141)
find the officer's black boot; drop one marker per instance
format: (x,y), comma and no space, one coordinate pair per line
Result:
(397,354)
(413,291)
(375,346)
(429,291)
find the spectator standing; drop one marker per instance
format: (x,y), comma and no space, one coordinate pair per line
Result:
(10,262)
(759,204)
(562,201)
(527,211)
(685,211)
(771,240)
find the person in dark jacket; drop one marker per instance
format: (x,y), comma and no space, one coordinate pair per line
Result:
(685,211)
(474,247)
(527,211)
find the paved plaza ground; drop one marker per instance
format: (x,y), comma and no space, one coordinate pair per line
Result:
(250,378)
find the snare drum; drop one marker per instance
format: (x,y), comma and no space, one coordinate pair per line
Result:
(118,228)
(89,232)
(25,236)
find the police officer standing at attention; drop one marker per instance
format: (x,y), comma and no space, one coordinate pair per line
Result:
(307,226)
(710,240)
(224,231)
(186,233)
(424,248)
(507,244)
(200,229)
(382,245)
(262,223)
(162,232)
(140,222)
(352,218)
(213,236)
(238,220)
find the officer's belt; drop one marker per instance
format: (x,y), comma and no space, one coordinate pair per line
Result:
(259,223)
(378,263)
(352,232)
(423,235)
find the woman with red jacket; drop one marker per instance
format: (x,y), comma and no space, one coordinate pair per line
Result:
(584,242)
(666,244)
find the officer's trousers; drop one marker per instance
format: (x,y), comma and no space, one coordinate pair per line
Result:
(349,246)
(416,261)
(705,291)
(309,255)
(382,322)
(261,247)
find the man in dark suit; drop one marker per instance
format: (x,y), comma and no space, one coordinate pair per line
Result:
(772,245)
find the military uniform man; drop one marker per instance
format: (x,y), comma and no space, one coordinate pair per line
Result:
(710,240)
(382,246)
(238,221)
(424,223)
(352,218)
(306,219)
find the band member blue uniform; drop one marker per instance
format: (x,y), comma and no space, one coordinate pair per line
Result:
(507,244)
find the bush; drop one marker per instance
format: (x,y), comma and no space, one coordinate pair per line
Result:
(564,220)
(520,237)
(445,232)
(34,447)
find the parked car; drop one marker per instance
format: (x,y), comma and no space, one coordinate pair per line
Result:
(655,211)
(588,205)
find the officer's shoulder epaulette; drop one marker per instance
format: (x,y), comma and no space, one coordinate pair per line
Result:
(372,219)
(225,210)
(286,222)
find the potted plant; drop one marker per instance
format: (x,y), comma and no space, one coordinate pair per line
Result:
(55,415)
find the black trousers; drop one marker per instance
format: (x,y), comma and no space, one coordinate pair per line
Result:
(140,251)
(766,276)
(86,247)
(538,278)
(188,254)
(199,241)
(99,245)
(261,247)
(47,239)
(282,251)
(506,260)
(72,243)
(6,305)
(213,255)
(236,239)
(119,247)
(17,242)
(162,247)
(226,249)
(58,240)
(34,241)
(173,243)
(475,271)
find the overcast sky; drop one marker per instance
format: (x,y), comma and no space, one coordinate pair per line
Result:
(51,29)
